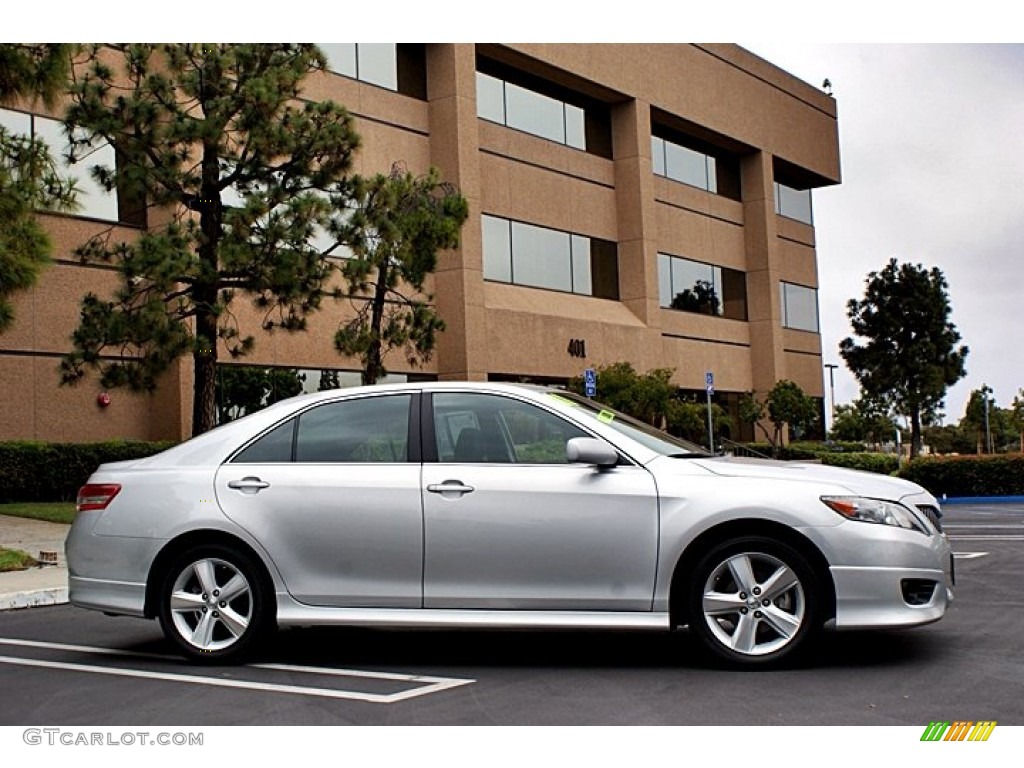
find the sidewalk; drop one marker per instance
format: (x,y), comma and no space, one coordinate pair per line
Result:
(45,585)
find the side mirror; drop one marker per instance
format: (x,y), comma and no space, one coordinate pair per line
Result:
(588,450)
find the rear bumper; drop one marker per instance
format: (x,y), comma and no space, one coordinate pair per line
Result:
(119,597)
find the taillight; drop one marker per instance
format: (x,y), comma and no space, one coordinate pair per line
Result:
(96,496)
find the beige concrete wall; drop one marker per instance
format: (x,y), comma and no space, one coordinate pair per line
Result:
(507,329)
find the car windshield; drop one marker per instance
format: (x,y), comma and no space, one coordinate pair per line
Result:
(645,434)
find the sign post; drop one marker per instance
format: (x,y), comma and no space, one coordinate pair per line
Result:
(709,380)
(590,382)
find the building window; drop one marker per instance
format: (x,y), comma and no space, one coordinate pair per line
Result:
(679,163)
(799,307)
(93,200)
(526,110)
(525,254)
(693,286)
(374,63)
(793,203)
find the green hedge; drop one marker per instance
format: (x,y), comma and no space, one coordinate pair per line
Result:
(880,463)
(1001,475)
(34,471)
(807,451)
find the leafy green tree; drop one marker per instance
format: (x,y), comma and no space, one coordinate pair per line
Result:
(645,396)
(395,227)
(910,356)
(196,127)
(785,405)
(863,421)
(1000,422)
(1017,416)
(689,419)
(30,178)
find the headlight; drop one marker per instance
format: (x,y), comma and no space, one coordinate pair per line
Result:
(875,511)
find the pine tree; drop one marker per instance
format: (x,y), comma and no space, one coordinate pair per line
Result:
(394,229)
(195,127)
(30,178)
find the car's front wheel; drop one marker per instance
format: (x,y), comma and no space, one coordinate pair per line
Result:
(213,604)
(753,601)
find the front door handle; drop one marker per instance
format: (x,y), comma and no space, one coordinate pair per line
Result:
(248,485)
(450,486)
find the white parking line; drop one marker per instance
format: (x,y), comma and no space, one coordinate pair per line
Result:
(424,684)
(986,537)
(969,555)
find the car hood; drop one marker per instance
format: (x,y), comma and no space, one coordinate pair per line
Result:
(857,482)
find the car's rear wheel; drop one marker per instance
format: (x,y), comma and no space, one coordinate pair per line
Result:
(753,601)
(213,604)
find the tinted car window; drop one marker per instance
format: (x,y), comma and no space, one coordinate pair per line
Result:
(471,428)
(372,429)
(273,447)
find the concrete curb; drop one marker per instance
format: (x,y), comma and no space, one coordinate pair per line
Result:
(13,601)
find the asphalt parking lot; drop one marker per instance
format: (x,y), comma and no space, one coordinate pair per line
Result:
(73,667)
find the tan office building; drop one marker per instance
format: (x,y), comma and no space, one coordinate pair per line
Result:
(641,203)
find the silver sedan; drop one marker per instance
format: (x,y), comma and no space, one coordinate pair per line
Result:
(492,505)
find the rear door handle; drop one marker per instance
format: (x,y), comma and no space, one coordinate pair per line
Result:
(249,485)
(450,486)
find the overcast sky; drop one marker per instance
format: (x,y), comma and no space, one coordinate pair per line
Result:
(932,150)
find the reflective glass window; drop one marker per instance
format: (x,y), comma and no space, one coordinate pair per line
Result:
(525,254)
(531,112)
(693,286)
(19,123)
(793,203)
(371,429)
(341,57)
(378,64)
(474,428)
(490,98)
(541,257)
(274,447)
(94,201)
(799,307)
(658,155)
(375,63)
(497,249)
(686,165)
(575,127)
(581,266)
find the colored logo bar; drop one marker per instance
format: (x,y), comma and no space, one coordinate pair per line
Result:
(958,730)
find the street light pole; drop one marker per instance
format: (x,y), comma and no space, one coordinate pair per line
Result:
(832,392)
(985,391)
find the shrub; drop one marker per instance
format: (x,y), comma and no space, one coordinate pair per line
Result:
(35,471)
(880,463)
(1001,475)
(808,451)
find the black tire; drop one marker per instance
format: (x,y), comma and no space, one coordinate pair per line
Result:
(754,601)
(213,604)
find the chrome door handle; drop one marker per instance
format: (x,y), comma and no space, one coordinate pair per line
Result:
(450,486)
(248,485)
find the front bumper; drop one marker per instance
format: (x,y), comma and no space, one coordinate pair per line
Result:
(875,597)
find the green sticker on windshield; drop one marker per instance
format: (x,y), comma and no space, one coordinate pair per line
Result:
(606,416)
(563,400)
